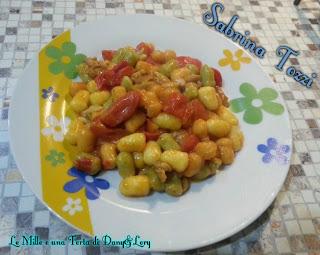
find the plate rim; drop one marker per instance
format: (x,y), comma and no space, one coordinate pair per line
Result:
(211,239)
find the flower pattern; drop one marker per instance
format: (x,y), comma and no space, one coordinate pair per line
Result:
(274,151)
(57,128)
(234,62)
(88,182)
(72,206)
(55,157)
(254,102)
(65,59)
(49,94)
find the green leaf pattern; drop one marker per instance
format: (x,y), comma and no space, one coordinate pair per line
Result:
(253,112)
(65,59)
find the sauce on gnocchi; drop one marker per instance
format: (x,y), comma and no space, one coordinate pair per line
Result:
(160,119)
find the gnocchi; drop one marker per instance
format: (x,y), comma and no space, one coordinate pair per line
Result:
(159,119)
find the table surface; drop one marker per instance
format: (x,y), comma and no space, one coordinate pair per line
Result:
(291,225)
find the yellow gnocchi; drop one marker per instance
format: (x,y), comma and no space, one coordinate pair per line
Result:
(161,120)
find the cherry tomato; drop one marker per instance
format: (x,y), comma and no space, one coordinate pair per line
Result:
(186,118)
(145,48)
(152,136)
(176,105)
(120,65)
(99,129)
(114,136)
(217,77)
(104,79)
(184,60)
(84,164)
(150,126)
(107,54)
(189,142)
(126,71)
(107,134)
(111,78)
(199,111)
(121,110)
(151,61)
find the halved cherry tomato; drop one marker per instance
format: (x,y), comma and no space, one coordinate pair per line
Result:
(217,77)
(177,106)
(120,65)
(152,136)
(145,48)
(104,79)
(189,142)
(184,60)
(187,116)
(151,61)
(107,54)
(199,111)
(83,164)
(126,71)
(101,131)
(114,136)
(121,110)
(151,127)
(111,78)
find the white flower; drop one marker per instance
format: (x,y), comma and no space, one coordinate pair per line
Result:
(57,128)
(72,206)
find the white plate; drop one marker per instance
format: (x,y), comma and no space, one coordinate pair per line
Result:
(212,210)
